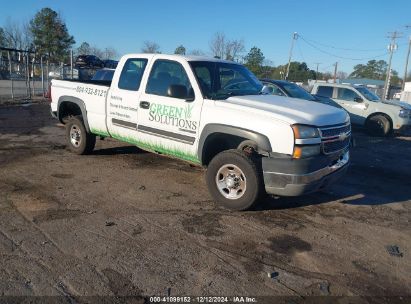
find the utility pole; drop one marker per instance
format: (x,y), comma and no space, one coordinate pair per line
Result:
(406,60)
(295,37)
(391,48)
(335,72)
(406,64)
(316,75)
(71,63)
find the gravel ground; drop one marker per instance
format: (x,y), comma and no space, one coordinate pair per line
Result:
(123,222)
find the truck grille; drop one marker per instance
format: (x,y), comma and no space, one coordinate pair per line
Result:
(335,139)
(335,131)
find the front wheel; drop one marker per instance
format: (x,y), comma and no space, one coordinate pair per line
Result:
(234,180)
(378,125)
(78,139)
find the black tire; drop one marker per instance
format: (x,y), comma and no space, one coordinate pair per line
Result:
(250,176)
(378,125)
(85,142)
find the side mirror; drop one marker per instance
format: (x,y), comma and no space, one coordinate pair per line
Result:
(180,91)
(266,90)
(358,99)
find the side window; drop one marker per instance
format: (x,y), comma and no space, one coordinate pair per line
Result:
(346,94)
(131,74)
(164,74)
(325,91)
(276,90)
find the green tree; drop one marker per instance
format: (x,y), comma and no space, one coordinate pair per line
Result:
(373,69)
(299,71)
(180,50)
(254,60)
(50,34)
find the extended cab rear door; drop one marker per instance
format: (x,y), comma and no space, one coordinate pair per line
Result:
(170,124)
(124,96)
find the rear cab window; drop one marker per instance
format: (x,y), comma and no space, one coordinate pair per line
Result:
(325,91)
(130,77)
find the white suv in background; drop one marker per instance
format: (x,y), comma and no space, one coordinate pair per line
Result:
(380,117)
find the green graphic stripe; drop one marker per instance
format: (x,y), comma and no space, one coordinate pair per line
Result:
(100,132)
(152,147)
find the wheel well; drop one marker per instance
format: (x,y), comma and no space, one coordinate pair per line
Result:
(382,114)
(67,109)
(219,142)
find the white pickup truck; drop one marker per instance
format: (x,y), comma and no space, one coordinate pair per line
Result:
(379,117)
(211,113)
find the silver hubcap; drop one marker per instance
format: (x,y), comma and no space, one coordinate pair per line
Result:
(75,136)
(231,181)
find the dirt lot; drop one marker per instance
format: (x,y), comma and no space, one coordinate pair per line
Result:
(126,222)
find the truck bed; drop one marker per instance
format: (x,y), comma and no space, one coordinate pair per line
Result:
(106,83)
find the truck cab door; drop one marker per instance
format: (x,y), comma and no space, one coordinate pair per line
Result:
(123,99)
(170,109)
(355,105)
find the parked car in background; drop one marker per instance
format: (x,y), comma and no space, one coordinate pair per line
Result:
(110,64)
(290,89)
(104,74)
(89,61)
(379,117)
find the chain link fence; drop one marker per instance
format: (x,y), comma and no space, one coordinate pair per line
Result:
(24,75)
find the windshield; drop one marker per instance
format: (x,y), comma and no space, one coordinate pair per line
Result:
(368,94)
(296,91)
(219,80)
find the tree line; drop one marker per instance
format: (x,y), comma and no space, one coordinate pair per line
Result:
(46,34)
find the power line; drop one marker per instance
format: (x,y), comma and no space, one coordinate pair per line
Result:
(341,57)
(300,51)
(343,49)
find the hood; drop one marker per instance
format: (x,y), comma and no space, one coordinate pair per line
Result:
(397,103)
(292,110)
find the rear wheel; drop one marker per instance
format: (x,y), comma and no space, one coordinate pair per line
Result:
(234,180)
(378,125)
(79,140)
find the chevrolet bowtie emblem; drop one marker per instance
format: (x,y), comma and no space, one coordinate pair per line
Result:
(342,136)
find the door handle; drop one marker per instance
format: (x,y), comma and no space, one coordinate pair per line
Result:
(144,104)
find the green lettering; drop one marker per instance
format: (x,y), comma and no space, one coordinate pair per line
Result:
(159,109)
(153,108)
(172,112)
(179,112)
(166,110)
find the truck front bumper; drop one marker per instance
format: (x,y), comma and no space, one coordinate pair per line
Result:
(294,177)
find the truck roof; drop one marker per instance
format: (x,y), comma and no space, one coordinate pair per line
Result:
(338,84)
(186,57)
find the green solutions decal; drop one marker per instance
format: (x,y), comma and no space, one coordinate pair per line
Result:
(173,116)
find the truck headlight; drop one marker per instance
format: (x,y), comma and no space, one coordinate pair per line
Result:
(405,113)
(306,151)
(303,132)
